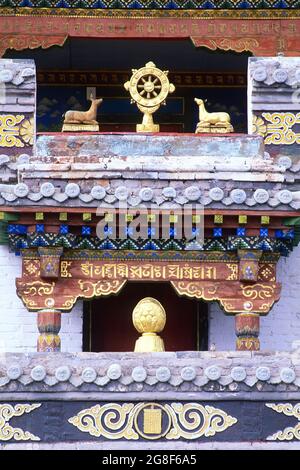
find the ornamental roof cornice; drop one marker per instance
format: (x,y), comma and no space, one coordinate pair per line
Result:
(162,171)
(230,371)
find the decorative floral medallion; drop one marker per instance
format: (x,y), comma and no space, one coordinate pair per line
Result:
(27,131)
(16,130)
(258,126)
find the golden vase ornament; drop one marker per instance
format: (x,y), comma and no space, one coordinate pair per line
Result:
(149,318)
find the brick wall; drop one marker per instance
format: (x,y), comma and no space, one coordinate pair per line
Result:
(18,330)
(280,327)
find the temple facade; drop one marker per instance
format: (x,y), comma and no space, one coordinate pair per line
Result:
(149,258)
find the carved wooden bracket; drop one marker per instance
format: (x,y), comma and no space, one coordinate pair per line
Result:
(234,297)
(19,42)
(81,279)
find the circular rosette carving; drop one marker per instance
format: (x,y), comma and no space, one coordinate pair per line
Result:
(260,74)
(27,131)
(6,76)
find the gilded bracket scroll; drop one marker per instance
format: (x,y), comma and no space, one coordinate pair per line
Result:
(19,42)
(234,297)
(62,295)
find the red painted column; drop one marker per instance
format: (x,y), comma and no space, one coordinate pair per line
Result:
(247,331)
(49,323)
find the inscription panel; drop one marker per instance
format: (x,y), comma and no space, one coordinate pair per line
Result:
(87,279)
(265,37)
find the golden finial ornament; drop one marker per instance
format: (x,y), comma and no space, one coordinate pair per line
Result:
(149,88)
(149,318)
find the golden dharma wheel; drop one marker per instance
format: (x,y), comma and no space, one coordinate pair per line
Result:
(149,86)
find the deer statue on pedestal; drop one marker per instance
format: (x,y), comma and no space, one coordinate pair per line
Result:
(212,122)
(84,117)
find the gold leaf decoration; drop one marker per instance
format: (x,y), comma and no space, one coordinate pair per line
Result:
(27,131)
(9,130)
(7,432)
(277,128)
(234,272)
(258,126)
(192,420)
(152,421)
(290,432)
(16,130)
(112,421)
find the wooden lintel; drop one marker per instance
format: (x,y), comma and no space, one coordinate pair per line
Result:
(93,210)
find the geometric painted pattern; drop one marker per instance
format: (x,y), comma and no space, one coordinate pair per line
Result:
(155,4)
(72,241)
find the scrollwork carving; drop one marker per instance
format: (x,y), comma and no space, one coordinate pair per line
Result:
(8,432)
(152,421)
(227,44)
(193,420)
(276,128)
(259,291)
(288,433)
(96,289)
(196,290)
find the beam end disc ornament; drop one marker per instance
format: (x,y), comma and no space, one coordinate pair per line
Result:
(149,88)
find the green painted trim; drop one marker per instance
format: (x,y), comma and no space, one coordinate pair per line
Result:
(9,217)
(291,221)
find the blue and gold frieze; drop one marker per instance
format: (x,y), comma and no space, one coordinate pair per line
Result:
(282,244)
(235,421)
(202,9)
(155,4)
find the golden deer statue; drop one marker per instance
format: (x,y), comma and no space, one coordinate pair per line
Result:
(83,120)
(212,122)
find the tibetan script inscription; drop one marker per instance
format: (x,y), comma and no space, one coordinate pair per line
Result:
(92,278)
(147,271)
(259,37)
